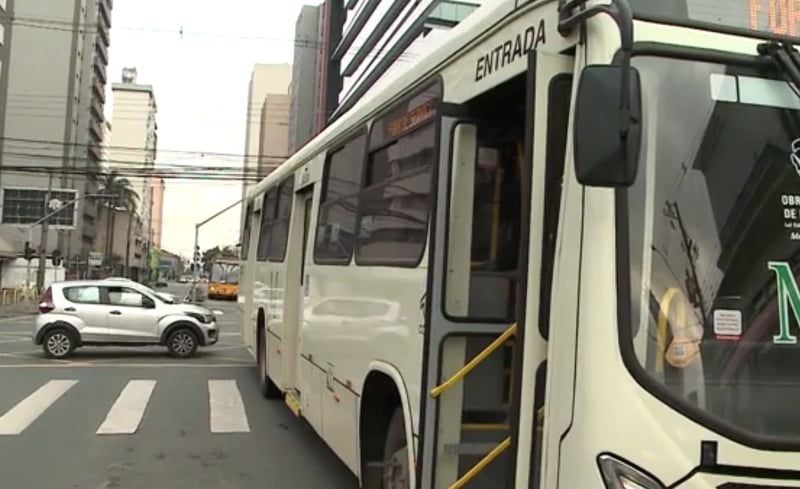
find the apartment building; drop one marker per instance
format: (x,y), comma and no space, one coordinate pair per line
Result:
(157,222)
(379,39)
(273,142)
(134,146)
(265,79)
(105,146)
(306,86)
(51,122)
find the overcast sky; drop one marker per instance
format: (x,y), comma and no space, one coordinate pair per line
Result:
(200,81)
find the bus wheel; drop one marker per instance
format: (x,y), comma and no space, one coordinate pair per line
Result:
(395,454)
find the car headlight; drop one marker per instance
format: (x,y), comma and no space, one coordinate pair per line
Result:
(200,317)
(622,475)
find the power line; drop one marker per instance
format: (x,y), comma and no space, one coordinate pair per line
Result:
(182,175)
(139,148)
(91,28)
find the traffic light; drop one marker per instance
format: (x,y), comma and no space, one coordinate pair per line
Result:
(28,251)
(197,260)
(56,258)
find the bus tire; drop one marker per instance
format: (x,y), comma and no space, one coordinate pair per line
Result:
(268,388)
(396,472)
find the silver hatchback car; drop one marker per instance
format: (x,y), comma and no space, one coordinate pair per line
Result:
(110,312)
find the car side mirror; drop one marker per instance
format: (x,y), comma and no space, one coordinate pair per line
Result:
(607,128)
(148,303)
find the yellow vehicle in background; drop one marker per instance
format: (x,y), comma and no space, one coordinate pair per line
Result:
(224,280)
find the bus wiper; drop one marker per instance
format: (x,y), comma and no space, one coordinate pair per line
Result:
(786,57)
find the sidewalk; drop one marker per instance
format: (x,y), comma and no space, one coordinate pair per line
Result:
(18,309)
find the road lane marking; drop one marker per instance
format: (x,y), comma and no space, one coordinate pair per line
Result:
(226,408)
(126,414)
(18,418)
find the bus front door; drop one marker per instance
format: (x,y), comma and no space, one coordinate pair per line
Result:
(492,231)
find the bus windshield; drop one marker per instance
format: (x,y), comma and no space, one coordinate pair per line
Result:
(714,245)
(225,273)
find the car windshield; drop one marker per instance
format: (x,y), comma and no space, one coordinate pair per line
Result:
(144,288)
(225,273)
(714,243)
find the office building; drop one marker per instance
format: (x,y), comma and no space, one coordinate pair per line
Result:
(265,79)
(134,146)
(273,144)
(304,92)
(381,38)
(52,120)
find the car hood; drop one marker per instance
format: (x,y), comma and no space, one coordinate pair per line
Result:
(186,307)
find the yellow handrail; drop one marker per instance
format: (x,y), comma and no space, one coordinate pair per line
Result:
(494,345)
(478,467)
(663,322)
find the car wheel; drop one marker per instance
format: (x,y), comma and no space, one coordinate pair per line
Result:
(58,343)
(182,343)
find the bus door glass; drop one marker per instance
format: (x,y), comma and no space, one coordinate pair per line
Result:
(308,198)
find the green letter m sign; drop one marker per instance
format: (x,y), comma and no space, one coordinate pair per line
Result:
(788,297)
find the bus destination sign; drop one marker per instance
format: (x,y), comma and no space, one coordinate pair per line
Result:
(776,17)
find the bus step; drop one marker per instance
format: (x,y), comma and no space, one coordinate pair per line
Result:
(469,448)
(484,427)
(292,400)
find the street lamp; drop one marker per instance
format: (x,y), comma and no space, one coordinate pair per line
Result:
(197,254)
(57,206)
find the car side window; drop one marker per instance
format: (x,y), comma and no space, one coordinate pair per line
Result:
(83,295)
(123,296)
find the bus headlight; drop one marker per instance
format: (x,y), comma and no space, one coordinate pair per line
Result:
(622,475)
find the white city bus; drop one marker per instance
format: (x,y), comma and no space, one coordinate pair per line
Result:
(516,265)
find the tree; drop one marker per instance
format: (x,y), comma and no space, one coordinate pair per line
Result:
(123,198)
(217,253)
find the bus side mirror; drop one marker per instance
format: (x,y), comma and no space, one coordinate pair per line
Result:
(608,133)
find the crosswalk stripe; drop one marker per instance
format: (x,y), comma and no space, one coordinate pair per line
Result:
(226,407)
(18,418)
(127,412)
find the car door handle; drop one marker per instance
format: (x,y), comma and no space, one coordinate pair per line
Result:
(69,309)
(116,313)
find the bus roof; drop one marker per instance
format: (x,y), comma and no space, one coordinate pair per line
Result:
(458,38)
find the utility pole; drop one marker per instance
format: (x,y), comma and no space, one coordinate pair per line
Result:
(43,242)
(196,250)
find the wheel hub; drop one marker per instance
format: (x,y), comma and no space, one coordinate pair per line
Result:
(58,344)
(183,343)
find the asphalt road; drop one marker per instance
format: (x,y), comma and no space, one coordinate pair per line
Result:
(136,419)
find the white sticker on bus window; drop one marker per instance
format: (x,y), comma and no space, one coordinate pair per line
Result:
(728,323)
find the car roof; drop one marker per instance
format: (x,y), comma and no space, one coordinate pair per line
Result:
(97,282)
